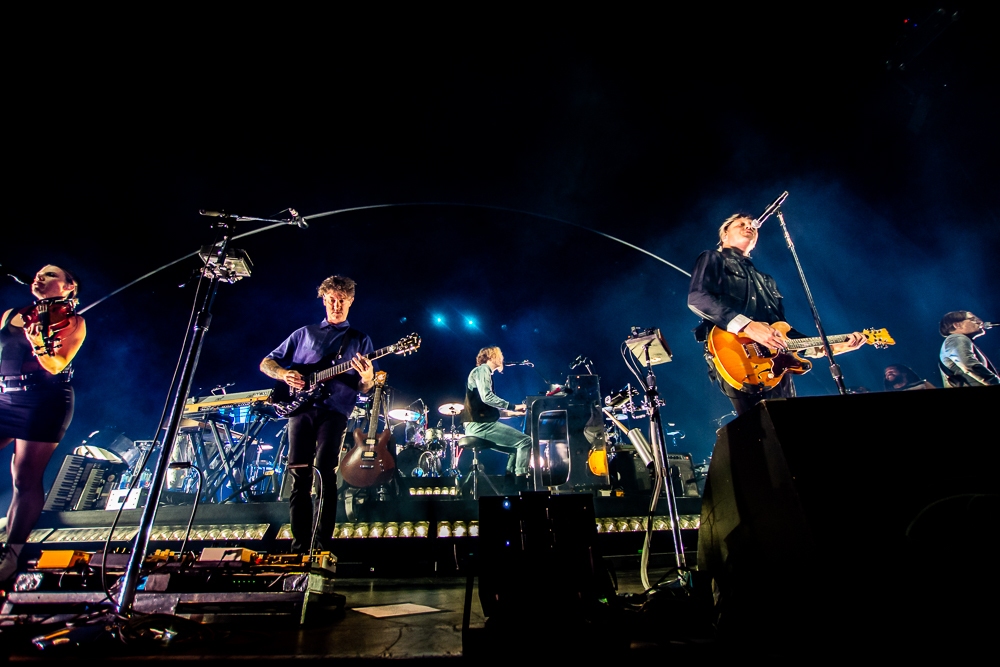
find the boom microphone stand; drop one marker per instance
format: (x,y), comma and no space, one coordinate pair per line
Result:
(775,209)
(650,347)
(221,265)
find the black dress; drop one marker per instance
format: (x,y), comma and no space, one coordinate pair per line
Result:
(43,411)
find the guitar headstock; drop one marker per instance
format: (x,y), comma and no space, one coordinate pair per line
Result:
(407,344)
(380,379)
(880,338)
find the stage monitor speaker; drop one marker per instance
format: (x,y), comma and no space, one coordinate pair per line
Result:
(536,555)
(803,550)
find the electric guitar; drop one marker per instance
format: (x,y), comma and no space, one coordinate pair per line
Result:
(370,462)
(288,402)
(751,366)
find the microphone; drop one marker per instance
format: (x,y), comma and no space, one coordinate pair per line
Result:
(521,363)
(215,214)
(990,325)
(769,211)
(298,220)
(579,361)
(440,424)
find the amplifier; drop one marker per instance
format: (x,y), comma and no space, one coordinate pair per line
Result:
(682,475)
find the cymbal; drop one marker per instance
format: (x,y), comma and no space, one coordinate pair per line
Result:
(404,415)
(451,409)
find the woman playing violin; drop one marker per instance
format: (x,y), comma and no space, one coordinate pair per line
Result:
(37,347)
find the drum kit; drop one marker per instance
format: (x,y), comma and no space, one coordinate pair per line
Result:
(429,451)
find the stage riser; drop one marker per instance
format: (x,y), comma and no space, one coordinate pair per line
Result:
(264,527)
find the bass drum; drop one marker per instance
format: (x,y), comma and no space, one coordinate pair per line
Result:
(418,462)
(408,460)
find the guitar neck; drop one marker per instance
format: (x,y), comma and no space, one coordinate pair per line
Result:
(326,374)
(373,426)
(802,343)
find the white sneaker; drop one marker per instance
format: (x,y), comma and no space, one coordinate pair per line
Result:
(8,562)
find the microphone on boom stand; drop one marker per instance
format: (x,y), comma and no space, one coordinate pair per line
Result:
(770,210)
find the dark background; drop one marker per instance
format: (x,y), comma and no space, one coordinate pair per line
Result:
(519,136)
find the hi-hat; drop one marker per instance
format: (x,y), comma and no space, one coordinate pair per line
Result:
(404,415)
(451,409)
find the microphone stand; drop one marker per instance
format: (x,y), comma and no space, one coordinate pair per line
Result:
(658,446)
(221,265)
(838,377)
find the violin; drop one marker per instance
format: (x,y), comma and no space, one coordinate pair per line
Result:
(53,315)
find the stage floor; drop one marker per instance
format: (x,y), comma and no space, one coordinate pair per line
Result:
(415,618)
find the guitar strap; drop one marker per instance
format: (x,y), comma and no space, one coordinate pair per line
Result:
(350,334)
(953,380)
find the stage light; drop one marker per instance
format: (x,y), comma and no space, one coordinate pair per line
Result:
(402,320)
(661,523)
(439,320)
(471,323)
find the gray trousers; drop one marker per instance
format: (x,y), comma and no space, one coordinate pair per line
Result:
(508,440)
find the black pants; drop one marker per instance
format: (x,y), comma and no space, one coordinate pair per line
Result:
(742,401)
(315,437)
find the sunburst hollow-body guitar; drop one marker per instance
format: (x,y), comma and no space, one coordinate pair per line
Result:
(751,366)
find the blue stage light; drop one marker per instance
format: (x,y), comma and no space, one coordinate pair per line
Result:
(439,320)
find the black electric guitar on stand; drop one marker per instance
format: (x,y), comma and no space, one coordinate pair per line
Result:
(287,401)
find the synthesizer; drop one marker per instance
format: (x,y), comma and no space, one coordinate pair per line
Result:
(83,483)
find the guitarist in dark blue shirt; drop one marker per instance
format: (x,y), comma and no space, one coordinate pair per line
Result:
(316,428)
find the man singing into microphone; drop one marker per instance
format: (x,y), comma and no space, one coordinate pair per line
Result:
(963,364)
(729,292)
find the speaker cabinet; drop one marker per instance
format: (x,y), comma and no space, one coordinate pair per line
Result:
(805,547)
